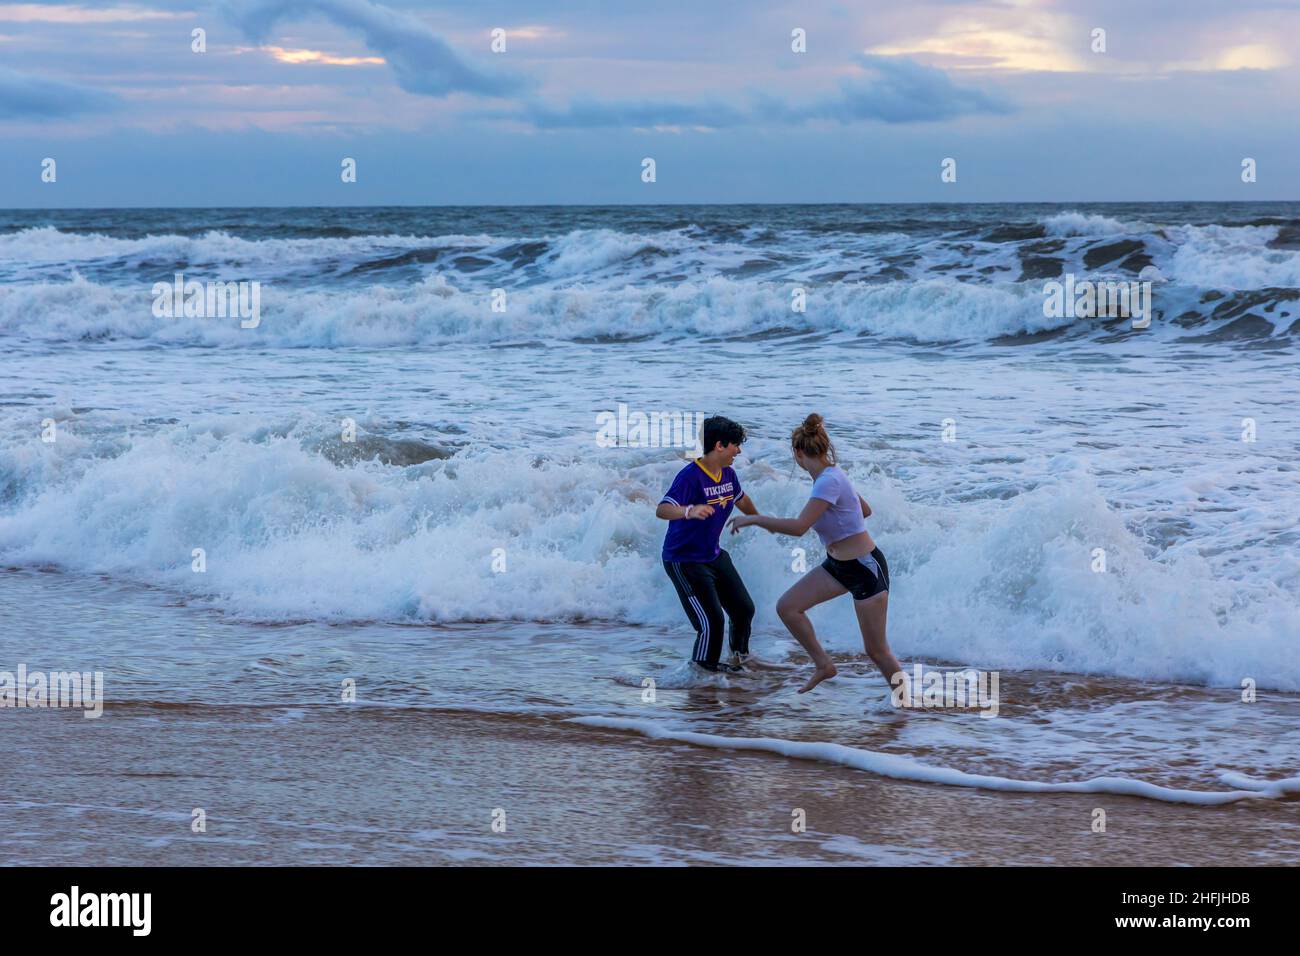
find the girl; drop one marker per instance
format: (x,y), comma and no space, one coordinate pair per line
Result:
(853,564)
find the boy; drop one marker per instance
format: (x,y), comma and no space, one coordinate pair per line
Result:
(696,508)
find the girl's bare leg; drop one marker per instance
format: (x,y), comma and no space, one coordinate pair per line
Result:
(871,619)
(812,589)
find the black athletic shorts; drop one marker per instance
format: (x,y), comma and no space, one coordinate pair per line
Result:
(865,577)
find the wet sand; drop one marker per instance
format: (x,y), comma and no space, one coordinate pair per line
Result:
(361,784)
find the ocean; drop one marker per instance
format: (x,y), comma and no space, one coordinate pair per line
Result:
(393,482)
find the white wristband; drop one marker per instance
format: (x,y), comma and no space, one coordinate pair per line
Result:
(687,513)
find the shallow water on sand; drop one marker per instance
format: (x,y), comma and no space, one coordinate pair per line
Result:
(452,723)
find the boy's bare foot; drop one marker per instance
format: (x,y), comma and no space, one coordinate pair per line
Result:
(753,662)
(819,675)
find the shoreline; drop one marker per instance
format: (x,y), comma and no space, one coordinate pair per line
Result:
(378,786)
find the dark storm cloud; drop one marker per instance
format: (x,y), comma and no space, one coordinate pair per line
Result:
(421,60)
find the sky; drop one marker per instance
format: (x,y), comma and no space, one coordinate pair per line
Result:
(1026,96)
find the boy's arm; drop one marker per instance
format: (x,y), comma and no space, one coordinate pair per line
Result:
(671,512)
(677,499)
(746,505)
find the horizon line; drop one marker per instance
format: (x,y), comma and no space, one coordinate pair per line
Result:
(669,205)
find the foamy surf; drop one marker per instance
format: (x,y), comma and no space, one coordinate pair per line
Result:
(428,277)
(682,675)
(904,768)
(294,529)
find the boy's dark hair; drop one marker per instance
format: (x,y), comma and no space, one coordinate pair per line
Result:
(719,429)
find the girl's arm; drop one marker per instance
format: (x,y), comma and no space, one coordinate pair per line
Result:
(814,509)
(866,508)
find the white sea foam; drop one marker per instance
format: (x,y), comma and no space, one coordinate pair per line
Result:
(289,534)
(1233,258)
(990,537)
(905,768)
(1081,224)
(435,311)
(401,290)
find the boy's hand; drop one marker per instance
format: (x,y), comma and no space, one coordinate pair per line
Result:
(700,511)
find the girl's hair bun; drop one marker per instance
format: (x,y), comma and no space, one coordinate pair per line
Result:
(811,438)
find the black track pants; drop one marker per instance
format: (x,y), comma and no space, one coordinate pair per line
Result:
(708,589)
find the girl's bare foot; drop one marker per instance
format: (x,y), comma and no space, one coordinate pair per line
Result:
(825,672)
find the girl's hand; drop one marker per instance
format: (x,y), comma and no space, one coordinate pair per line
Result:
(741,521)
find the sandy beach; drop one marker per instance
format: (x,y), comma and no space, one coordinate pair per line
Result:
(417,771)
(369,786)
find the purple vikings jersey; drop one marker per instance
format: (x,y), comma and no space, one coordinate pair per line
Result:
(694,539)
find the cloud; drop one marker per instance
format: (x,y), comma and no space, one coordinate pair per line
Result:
(421,60)
(1014,39)
(1052,36)
(889,90)
(79,15)
(586,113)
(24,96)
(535,32)
(1254,56)
(320,56)
(900,90)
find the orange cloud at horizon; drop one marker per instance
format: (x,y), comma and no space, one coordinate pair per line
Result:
(319,56)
